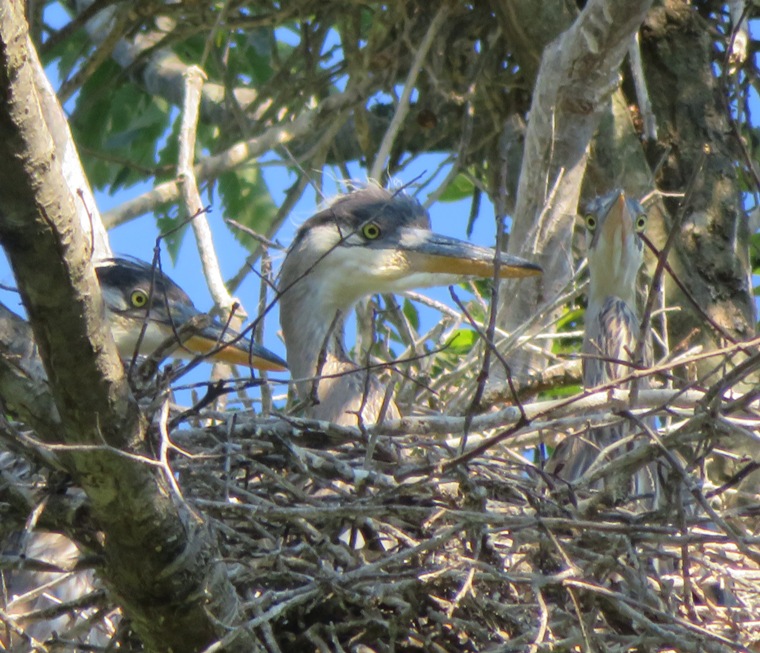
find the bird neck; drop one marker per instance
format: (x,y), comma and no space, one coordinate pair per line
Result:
(612,284)
(311,326)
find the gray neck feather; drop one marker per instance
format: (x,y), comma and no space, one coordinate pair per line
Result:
(306,322)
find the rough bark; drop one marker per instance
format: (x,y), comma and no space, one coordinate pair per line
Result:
(711,253)
(578,73)
(160,559)
(710,256)
(530,26)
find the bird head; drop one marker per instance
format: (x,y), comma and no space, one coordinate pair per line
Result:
(614,225)
(376,240)
(138,295)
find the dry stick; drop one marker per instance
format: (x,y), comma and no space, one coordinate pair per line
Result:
(292,197)
(324,350)
(270,244)
(403,104)
(366,387)
(694,490)
(740,140)
(221,15)
(234,157)
(102,53)
(499,217)
(156,264)
(543,620)
(571,591)
(468,120)
(164,447)
(687,293)
(194,78)
(294,194)
(541,409)
(635,610)
(266,272)
(451,424)
(11,624)
(740,371)
(490,347)
(74,25)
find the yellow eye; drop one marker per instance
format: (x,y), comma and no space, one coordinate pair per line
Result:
(641,223)
(138,298)
(371,231)
(590,222)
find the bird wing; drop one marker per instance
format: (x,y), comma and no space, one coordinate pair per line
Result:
(612,336)
(610,342)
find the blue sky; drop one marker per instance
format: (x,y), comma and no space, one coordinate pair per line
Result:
(137,237)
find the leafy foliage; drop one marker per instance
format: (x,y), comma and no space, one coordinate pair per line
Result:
(247,200)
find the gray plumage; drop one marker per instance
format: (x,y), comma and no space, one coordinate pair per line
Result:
(368,241)
(612,331)
(144,304)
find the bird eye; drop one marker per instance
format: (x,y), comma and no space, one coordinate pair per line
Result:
(641,223)
(590,222)
(371,231)
(138,298)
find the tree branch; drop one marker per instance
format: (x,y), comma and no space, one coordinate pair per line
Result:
(236,156)
(161,561)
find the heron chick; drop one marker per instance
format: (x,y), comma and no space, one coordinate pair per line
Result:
(138,299)
(614,227)
(371,240)
(145,305)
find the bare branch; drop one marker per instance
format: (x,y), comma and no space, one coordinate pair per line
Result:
(192,199)
(234,157)
(403,104)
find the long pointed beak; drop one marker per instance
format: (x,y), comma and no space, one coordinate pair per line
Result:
(429,252)
(243,352)
(216,342)
(619,217)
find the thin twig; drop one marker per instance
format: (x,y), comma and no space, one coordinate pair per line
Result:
(402,108)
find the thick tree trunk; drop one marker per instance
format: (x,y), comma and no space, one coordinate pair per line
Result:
(711,255)
(160,558)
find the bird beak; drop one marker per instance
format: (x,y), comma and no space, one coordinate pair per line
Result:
(619,217)
(216,342)
(429,252)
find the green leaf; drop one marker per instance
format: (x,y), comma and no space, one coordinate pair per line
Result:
(754,252)
(247,200)
(570,319)
(462,342)
(166,223)
(123,122)
(76,48)
(412,314)
(459,188)
(562,392)
(255,55)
